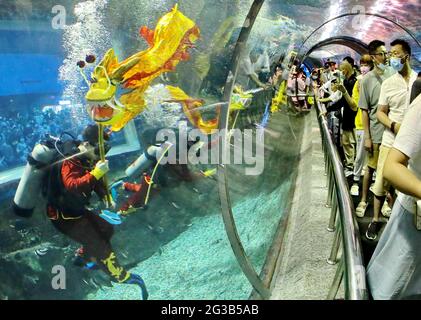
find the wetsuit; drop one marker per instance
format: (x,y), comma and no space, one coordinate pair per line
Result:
(70,188)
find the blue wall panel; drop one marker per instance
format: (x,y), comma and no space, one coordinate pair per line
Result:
(29,73)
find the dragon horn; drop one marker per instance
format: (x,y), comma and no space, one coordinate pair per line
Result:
(118,73)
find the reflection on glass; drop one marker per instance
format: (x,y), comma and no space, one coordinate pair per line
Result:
(172,232)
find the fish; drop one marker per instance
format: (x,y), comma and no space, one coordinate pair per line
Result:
(175,205)
(41,252)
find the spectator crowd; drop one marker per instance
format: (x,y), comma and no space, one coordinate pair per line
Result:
(20,131)
(374,112)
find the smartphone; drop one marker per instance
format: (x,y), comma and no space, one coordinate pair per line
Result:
(418,215)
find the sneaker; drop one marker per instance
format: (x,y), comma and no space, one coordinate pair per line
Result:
(372,230)
(386,210)
(360,211)
(355,190)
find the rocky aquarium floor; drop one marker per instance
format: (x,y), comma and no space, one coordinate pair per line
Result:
(199,264)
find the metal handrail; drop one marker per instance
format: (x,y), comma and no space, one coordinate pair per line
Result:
(351,267)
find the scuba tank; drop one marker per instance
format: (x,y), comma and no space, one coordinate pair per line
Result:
(30,185)
(147,159)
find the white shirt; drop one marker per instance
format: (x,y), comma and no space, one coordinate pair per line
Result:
(327,87)
(408,141)
(395,93)
(334,96)
(327,76)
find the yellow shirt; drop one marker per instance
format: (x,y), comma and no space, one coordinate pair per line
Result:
(356,96)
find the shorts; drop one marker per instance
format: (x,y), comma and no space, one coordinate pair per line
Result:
(373,158)
(381,185)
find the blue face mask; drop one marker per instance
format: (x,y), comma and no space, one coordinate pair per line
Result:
(396,64)
(381,66)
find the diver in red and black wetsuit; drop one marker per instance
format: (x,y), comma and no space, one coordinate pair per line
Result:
(70,185)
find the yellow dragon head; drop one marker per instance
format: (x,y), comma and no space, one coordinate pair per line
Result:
(168,45)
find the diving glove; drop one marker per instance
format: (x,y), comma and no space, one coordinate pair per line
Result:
(91,266)
(136,279)
(100,169)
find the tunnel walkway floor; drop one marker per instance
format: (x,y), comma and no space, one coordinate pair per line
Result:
(302,271)
(368,245)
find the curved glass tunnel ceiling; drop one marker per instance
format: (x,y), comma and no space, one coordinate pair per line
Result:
(332,51)
(337,47)
(311,14)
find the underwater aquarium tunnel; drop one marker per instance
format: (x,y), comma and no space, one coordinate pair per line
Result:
(217,168)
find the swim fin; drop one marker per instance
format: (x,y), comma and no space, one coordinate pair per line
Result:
(111,217)
(137,279)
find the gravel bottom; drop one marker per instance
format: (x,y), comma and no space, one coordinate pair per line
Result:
(200,264)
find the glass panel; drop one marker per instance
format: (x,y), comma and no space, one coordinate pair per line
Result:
(265,137)
(36,101)
(178,242)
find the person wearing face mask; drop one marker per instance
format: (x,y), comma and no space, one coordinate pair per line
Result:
(373,129)
(315,78)
(365,66)
(348,110)
(394,270)
(333,118)
(312,86)
(329,69)
(393,104)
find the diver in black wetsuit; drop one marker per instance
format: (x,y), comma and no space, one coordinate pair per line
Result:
(69,188)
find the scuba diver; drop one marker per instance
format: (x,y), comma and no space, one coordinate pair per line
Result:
(149,168)
(152,156)
(75,173)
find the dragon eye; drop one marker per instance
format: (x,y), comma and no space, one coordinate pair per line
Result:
(90,58)
(81,64)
